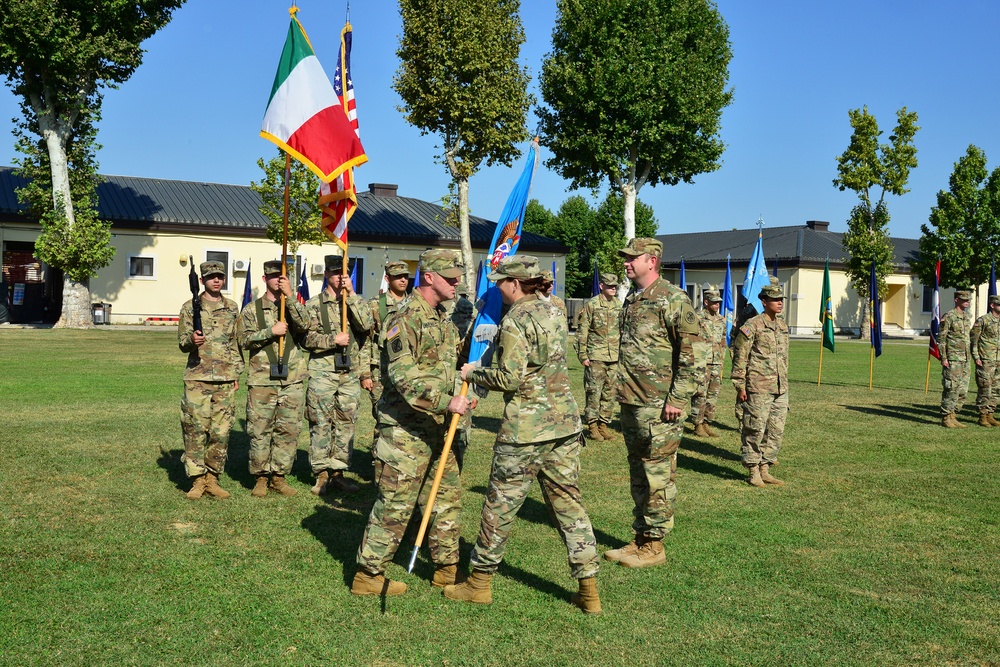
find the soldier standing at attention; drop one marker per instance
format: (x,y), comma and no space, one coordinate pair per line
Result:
(597,337)
(985,340)
(538,437)
(953,343)
(210,382)
(274,401)
(397,276)
(760,376)
(662,359)
(419,364)
(713,330)
(335,381)
(748,311)
(548,283)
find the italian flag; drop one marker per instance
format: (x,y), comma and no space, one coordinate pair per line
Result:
(304,116)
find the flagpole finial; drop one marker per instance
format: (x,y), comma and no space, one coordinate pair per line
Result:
(760,220)
(293,10)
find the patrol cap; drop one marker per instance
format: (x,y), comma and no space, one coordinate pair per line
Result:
(771,292)
(445,263)
(212,268)
(963,294)
(548,276)
(522,267)
(774,280)
(712,295)
(609,280)
(642,246)
(995,300)
(396,269)
(336,263)
(272,267)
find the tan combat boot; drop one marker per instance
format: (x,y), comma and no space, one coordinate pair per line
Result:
(319,488)
(475,589)
(993,420)
(984,420)
(594,432)
(701,431)
(260,487)
(587,598)
(948,421)
(767,477)
(754,479)
(279,484)
(447,575)
(197,488)
(340,483)
(650,554)
(615,555)
(212,487)
(366,583)
(712,433)
(606,433)
(954,419)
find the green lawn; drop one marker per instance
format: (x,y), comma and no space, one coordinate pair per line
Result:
(880,550)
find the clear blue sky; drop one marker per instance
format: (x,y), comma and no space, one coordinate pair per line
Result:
(192,111)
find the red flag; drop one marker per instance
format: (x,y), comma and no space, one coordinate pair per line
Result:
(338,199)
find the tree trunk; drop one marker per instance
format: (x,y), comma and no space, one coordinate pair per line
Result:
(463,222)
(865,330)
(628,195)
(76,295)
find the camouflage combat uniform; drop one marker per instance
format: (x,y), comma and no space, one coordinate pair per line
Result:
(209,403)
(985,342)
(760,368)
(419,366)
(953,343)
(462,313)
(597,337)
(333,395)
(662,359)
(382,308)
(713,331)
(538,437)
(274,406)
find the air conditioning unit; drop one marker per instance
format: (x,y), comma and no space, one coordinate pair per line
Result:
(240,265)
(317,269)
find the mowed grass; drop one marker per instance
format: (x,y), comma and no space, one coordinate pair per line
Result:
(881,549)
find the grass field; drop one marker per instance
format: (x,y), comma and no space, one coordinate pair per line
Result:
(880,550)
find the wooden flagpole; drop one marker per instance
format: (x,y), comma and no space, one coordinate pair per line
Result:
(819,378)
(284,253)
(871,367)
(927,380)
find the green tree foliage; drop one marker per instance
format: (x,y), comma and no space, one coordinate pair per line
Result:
(965,225)
(635,91)
(58,56)
(589,234)
(459,79)
(868,168)
(303,210)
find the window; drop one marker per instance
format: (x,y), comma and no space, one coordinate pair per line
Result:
(359,276)
(141,267)
(220,256)
(927,303)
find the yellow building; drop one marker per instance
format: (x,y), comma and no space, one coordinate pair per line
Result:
(158,224)
(800,254)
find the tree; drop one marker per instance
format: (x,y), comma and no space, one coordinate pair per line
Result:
(58,56)
(459,78)
(867,165)
(303,213)
(611,240)
(635,91)
(965,225)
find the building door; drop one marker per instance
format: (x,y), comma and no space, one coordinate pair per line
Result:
(895,306)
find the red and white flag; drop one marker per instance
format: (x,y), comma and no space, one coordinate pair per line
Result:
(339,198)
(935,313)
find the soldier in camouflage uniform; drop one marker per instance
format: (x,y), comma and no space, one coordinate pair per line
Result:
(953,343)
(597,338)
(419,364)
(274,404)
(334,391)
(210,382)
(749,310)
(397,276)
(462,313)
(760,376)
(985,340)
(713,331)
(662,359)
(538,437)
(548,284)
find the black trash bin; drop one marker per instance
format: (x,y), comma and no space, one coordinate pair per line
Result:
(99,313)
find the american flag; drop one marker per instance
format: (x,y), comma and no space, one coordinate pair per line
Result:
(338,199)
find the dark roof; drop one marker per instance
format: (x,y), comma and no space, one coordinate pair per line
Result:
(792,246)
(165,205)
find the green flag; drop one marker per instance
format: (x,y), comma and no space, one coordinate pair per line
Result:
(826,310)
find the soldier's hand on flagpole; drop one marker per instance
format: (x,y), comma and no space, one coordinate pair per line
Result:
(343,339)
(198,338)
(466,369)
(285,286)
(458,405)
(279,329)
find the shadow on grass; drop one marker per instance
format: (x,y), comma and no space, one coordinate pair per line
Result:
(708,449)
(915,412)
(707,467)
(339,529)
(170,461)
